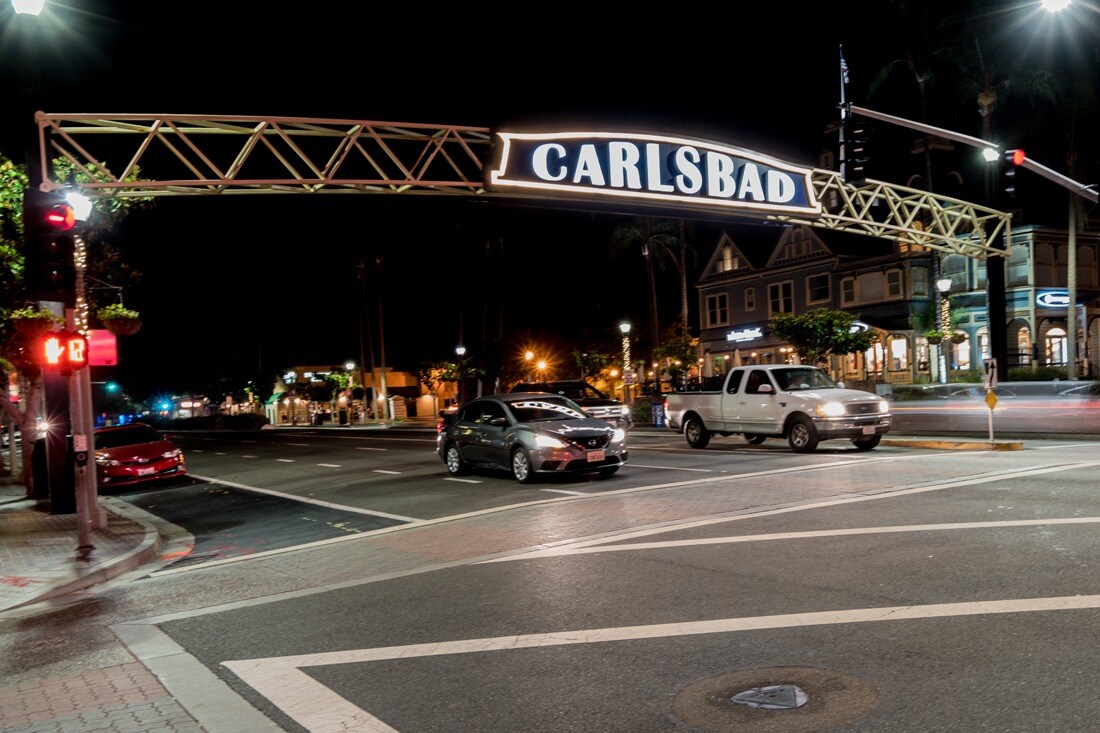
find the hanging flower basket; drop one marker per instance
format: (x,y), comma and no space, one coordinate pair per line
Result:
(934,337)
(958,338)
(33,323)
(123,326)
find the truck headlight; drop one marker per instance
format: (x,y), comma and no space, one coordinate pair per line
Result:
(830,409)
(883,406)
(618,436)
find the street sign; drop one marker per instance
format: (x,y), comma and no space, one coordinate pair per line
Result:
(630,376)
(991,400)
(989,366)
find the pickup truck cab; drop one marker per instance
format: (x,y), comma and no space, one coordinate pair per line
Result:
(797,402)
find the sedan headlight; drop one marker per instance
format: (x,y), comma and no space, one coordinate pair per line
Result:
(170,453)
(103,460)
(883,406)
(549,441)
(830,409)
(618,436)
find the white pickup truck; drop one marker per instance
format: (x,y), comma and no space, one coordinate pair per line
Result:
(797,402)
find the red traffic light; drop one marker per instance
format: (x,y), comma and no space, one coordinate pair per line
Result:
(60,217)
(1016,157)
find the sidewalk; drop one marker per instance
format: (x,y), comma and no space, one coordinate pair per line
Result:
(38,550)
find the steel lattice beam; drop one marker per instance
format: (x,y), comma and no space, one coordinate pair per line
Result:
(130,155)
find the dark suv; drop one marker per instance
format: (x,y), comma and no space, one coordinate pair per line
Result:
(594,402)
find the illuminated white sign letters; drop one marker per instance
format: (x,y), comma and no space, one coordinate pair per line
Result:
(745,334)
(1052,299)
(652,168)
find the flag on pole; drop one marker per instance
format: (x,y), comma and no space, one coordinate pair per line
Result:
(843,66)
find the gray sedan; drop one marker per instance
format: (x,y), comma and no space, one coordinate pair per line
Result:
(529,434)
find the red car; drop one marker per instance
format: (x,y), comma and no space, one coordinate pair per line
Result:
(135,453)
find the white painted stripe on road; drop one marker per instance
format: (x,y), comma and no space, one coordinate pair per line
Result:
(558,551)
(365,448)
(329,465)
(463,480)
(671,468)
(304,500)
(249,441)
(563,491)
(988,478)
(285,460)
(393,473)
(249,456)
(320,710)
(303,445)
(219,453)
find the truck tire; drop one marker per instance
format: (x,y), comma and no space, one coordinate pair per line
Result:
(803,435)
(696,433)
(754,438)
(866,443)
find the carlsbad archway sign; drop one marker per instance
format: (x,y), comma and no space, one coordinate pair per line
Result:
(181,155)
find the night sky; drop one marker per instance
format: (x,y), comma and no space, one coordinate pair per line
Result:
(245,284)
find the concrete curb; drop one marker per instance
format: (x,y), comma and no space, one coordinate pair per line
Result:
(954,444)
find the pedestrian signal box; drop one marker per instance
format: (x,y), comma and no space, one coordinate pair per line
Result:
(63,350)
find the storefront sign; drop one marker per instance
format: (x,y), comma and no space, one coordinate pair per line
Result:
(1052,299)
(652,168)
(745,334)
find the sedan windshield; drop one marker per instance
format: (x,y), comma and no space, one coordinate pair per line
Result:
(546,409)
(126,436)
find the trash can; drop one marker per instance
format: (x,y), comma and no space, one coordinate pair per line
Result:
(658,411)
(343,417)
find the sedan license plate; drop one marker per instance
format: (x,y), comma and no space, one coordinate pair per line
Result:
(595,455)
(869,430)
(146,471)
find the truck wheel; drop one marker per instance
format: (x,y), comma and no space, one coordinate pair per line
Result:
(866,443)
(697,435)
(803,435)
(754,439)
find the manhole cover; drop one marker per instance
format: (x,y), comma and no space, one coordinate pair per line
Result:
(773,697)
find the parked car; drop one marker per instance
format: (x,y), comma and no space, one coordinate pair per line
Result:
(594,402)
(529,434)
(134,454)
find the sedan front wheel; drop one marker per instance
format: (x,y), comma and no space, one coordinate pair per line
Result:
(521,466)
(454,461)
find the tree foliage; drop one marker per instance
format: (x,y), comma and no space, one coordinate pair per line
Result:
(590,363)
(818,334)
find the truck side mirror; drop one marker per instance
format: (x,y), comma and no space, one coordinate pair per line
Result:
(765,389)
(840,385)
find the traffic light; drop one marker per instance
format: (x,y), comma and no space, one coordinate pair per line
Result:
(49,229)
(65,351)
(1013,159)
(857,150)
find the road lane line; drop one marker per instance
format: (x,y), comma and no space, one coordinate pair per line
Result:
(671,468)
(365,448)
(665,529)
(303,445)
(557,551)
(570,493)
(249,456)
(320,710)
(285,460)
(392,473)
(219,453)
(329,465)
(304,500)
(463,480)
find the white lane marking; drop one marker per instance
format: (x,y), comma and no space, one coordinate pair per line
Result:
(392,473)
(304,445)
(463,480)
(285,460)
(988,478)
(671,468)
(563,491)
(305,500)
(218,453)
(329,465)
(555,551)
(249,456)
(364,448)
(249,441)
(197,450)
(320,710)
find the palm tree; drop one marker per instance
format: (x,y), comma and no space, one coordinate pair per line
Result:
(655,240)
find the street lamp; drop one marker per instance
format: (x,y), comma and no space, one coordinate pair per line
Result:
(461,351)
(944,285)
(624,327)
(528,358)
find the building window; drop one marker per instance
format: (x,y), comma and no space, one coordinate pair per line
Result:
(717,310)
(750,299)
(817,288)
(781,298)
(893,283)
(918,280)
(728,262)
(1055,347)
(848,290)
(898,350)
(1018,266)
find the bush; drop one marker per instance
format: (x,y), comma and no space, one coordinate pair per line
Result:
(1040,374)
(641,411)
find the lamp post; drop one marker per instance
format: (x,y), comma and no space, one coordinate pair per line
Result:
(528,359)
(624,328)
(944,285)
(461,352)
